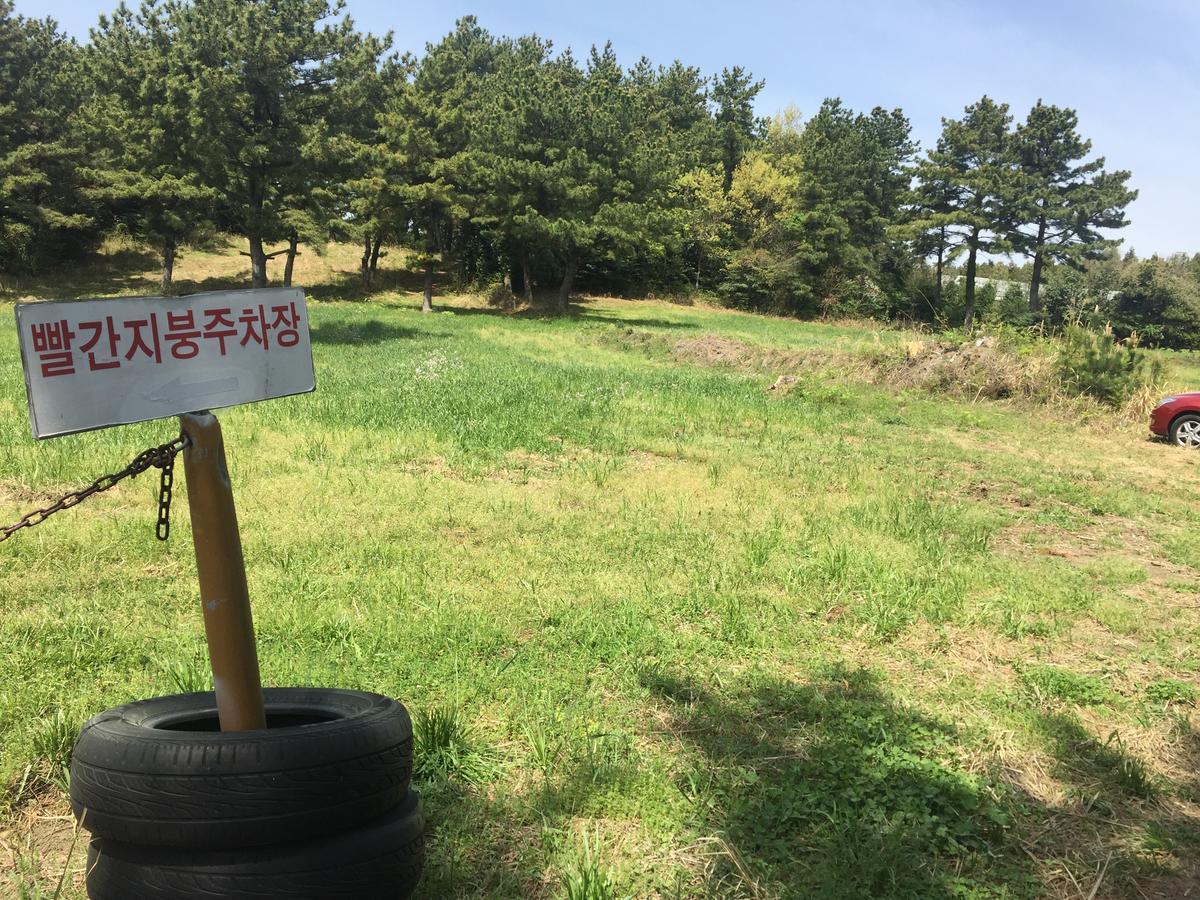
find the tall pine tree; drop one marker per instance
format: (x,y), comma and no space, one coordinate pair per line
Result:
(1060,201)
(43,215)
(263,82)
(152,178)
(973,158)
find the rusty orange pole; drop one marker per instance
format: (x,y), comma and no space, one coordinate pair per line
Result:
(222,571)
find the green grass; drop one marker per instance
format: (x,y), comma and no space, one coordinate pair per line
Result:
(664,632)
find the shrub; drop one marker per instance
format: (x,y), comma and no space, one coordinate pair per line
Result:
(1013,308)
(1160,305)
(500,296)
(1099,366)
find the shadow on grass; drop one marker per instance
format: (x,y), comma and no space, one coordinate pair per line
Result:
(633,322)
(371,331)
(544,310)
(829,789)
(476,846)
(102,275)
(832,789)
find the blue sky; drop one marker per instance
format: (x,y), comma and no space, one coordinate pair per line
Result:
(1131,69)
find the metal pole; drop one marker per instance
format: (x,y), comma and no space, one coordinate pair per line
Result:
(222,571)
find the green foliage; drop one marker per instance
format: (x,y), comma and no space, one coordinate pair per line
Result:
(445,747)
(1013,308)
(1062,684)
(1057,203)
(1101,367)
(44,215)
(587,879)
(1171,691)
(1160,304)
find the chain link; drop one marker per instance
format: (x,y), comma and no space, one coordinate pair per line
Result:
(162,457)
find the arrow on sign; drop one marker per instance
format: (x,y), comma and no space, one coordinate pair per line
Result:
(175,390)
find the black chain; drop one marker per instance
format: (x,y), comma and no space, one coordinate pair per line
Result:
(162,458)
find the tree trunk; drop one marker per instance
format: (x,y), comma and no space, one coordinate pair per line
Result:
(375,252)
(699,258)
(258,262)
(1035,283)
(564,289)
(937,290)
(168,264)
(258,257)
(427,298)
(941,266)
(526,279)
(366,263)
(969,312)
(292,253)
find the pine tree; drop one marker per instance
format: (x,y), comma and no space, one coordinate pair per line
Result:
(43,216)
(973,158)
(737,127)
(506,164)
(572,159)
(152,177)
(852,180)
(263,78)
(1059,200)
(427,132)
(930,220)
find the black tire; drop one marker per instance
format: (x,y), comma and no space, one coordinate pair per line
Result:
(380,861)
(160,773)
(1185,430)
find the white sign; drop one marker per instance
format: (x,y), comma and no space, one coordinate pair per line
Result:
(94,363)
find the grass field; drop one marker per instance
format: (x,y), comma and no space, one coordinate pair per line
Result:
(665,632)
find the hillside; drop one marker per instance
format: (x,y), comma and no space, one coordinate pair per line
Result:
(679,633)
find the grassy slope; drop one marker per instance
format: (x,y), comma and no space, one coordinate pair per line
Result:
(695,638)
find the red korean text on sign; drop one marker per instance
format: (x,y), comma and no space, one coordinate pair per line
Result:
(52,344)
(91,345)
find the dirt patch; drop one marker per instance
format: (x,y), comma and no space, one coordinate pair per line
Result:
(712,350)
(40,846)
(11,492)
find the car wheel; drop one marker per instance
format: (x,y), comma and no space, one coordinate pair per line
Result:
(382,860)
(160,772)
(1185,431)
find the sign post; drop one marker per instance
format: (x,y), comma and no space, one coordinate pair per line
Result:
(97,363)
(222,571)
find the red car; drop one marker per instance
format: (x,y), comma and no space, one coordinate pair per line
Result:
(1178,418)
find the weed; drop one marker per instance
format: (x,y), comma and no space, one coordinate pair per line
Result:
(1062,684)
(445,748)
(53,741)
(587,879)
(1171,692)
(545,745)
(186,675)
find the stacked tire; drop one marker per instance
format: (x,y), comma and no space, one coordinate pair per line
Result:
(318,805)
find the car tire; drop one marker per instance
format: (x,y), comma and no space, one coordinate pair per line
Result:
(1185,430)
(160,773)
(381,860)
